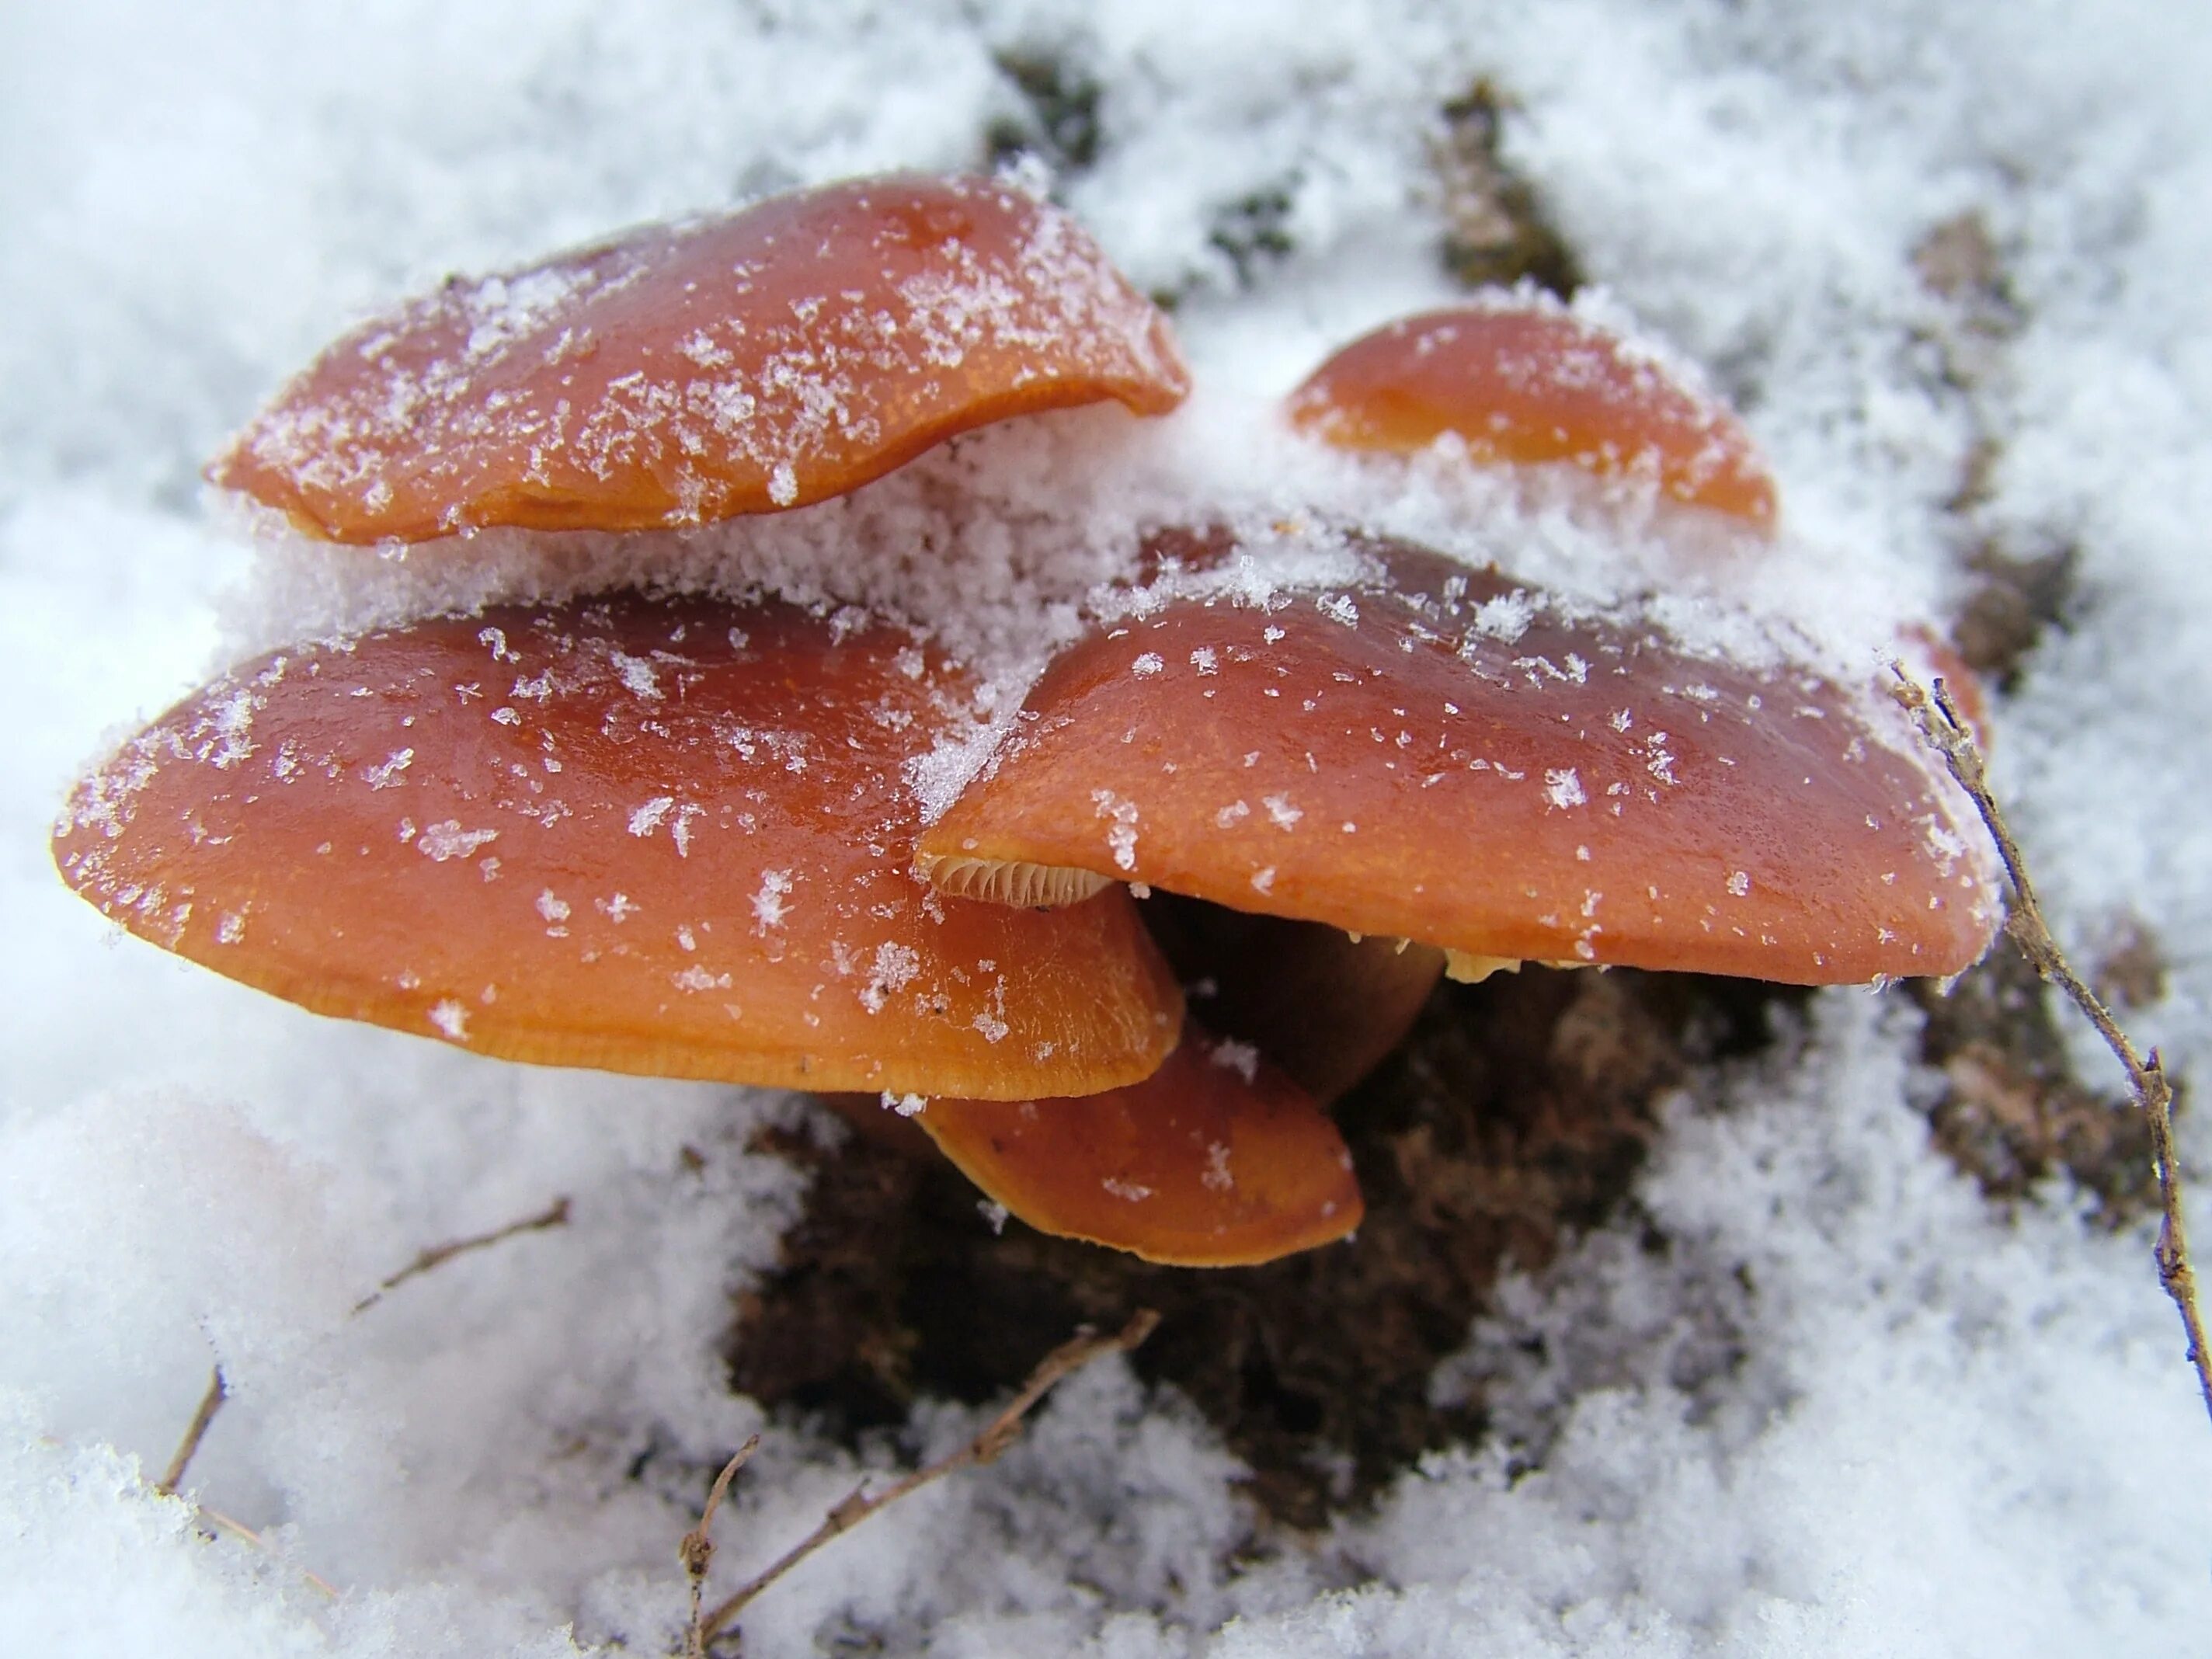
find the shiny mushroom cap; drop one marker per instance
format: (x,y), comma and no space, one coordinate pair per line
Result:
(681,374)
(1217,1160)
(1522,379)
(1443,754)
(660,836)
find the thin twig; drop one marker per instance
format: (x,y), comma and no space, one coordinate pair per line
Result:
(210,1403)
(1945,729)
(999,1433)
(553,1215)
(696,1549)
(222,1522)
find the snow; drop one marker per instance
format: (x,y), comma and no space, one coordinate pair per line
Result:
(1846,1406)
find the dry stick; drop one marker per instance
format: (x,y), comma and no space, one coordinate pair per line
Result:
(217,1519)
(696,1549)
(553,1215)
(210,1403)
(1939,719)
(999,1434)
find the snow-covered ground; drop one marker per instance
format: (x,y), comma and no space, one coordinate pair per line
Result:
(1953,1429)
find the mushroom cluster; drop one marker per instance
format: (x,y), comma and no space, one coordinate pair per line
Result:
(675,834)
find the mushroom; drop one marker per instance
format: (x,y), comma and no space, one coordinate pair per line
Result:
(746,362)
(1521,379)
(659,836)
(1217,1160)
(1323,1005)
(1450,756)
(673,834)
(1445,755)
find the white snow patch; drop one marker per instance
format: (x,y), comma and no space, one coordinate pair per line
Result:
(768,906)
(440,842)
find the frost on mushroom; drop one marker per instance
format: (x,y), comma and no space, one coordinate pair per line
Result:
(1522,379)
(675,836)
(1217,1160)
(1543,786)
(664,837)
(681,374)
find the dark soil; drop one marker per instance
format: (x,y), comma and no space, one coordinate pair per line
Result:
(1515,1117)
(2012,1114)
(2011,601)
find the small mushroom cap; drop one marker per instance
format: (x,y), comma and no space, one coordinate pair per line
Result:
(1323,1006)
(668,837)
(1529,382)
(1438,754)
(681,374)
(1217,1160)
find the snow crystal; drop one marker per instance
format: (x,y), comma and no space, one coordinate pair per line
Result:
(1121,829)
(385,776)
(768,906)
(892,968)
(1231,1055)
(440,842)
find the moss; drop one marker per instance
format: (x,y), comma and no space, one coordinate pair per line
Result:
(1056,115)
(1253,231)
(1496,227)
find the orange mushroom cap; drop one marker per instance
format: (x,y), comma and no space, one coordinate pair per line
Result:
(661,836)
(1440,754)
(1529,381)
(762,359)
(1217,1160)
